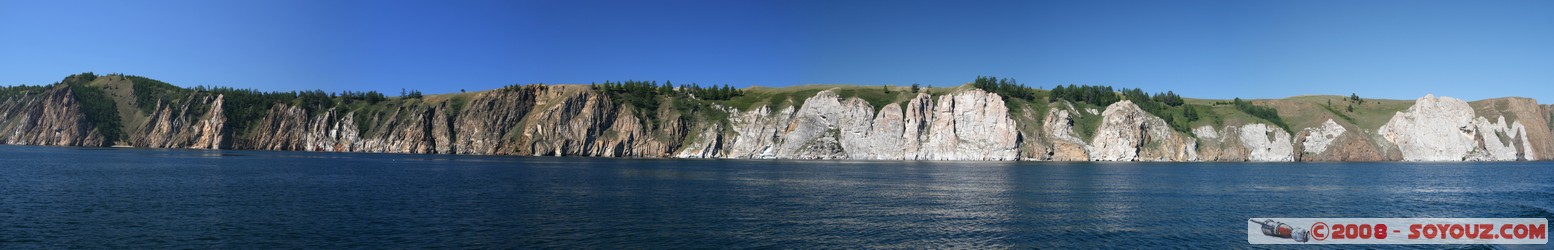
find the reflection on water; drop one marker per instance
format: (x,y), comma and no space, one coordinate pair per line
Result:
(137,198)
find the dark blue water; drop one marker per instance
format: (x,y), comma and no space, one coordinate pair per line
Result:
(135,198)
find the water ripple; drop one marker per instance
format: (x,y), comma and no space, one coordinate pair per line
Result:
(126,198)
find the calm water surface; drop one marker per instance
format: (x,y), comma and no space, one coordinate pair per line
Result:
(135,198)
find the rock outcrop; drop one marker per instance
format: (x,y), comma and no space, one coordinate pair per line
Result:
(971,125)
(1447,129)
(1499,141)
(1266,143)
(1066,146)
(1434,129)
(186,125)
(1333,141)
(1317,138)
(501,112)
(1127,133)
(967,125)
(1527,112)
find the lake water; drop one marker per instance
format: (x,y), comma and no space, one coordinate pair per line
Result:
(137,198)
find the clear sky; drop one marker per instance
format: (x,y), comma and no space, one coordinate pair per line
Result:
(1210,49)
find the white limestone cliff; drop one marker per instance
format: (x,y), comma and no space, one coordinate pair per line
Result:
(1065,145)
(1500,141)
(1266,143)
(1127,133)
(1318,138)
(966,125)
(1446,129)
(1206,132)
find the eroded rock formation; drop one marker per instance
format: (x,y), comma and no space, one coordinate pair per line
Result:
(968,125)
(1447,129)
(1127,133)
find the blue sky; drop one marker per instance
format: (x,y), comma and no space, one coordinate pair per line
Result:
(1211,49)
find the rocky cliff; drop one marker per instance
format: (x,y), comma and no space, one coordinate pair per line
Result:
(1127,133)
(836,122)
(50,116)
(533,120)
(177,127)
(967,125)
(1447,129)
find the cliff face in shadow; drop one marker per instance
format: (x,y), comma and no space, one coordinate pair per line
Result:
(811,122)
(46,116)
(564,120)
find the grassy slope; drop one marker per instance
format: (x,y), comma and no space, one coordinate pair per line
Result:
(1311,111)
(121,91)
(1302,112)
(1493,109)
(1086,122)
(369,116)
(794,96)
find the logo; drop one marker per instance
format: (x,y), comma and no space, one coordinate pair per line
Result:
(1281,230)
(1397,231)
